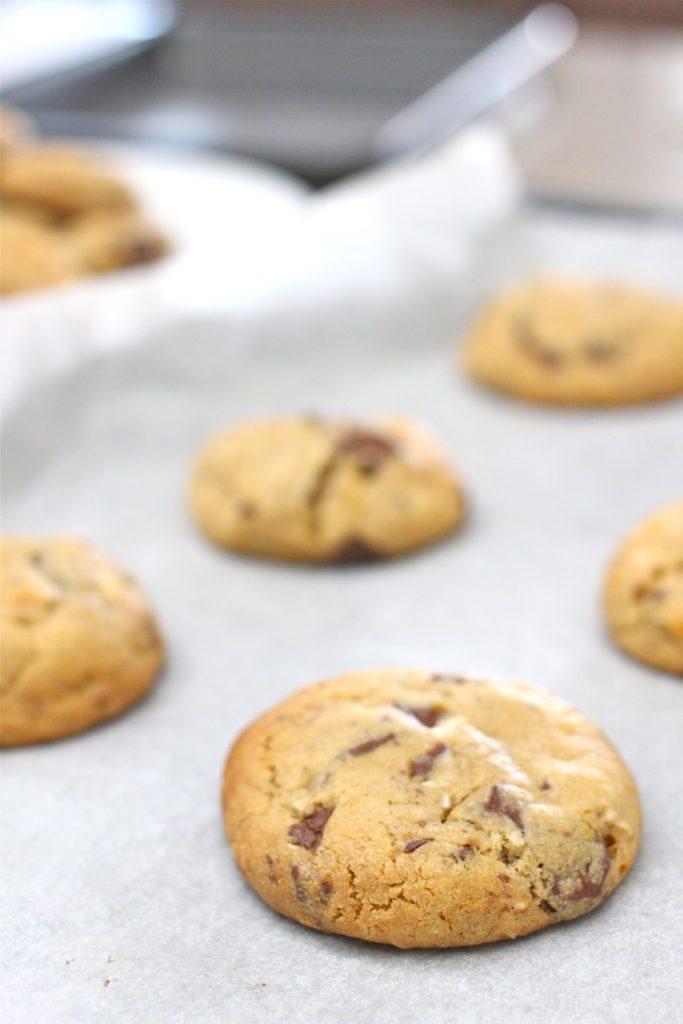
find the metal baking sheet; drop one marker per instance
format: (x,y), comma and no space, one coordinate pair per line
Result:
(120,901)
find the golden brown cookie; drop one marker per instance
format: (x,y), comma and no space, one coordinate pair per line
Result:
(63,181)
(79,641)
(115,239)
(579,343)
(32,255)
(313,490)
(421,809)
(643,595)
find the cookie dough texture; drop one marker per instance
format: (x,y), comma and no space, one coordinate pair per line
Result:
(32,255)
(312,490)
(579,342)
(643,596)
(65,182)
(429,810)
(79,641)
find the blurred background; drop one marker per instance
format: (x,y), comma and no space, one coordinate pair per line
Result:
(324,88)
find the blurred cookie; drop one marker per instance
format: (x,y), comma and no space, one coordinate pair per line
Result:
(643,595)
(579,343)
(32,255)
(318,490)
(415,809)
(111,240)
(79,641)
(63,181)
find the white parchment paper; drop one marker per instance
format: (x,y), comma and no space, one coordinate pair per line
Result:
(120,901)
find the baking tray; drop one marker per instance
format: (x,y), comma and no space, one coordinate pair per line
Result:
(120,899)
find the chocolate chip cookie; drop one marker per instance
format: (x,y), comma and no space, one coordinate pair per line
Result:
(314,490)
(79,641)
(579,343)
(421,809)
(643,594)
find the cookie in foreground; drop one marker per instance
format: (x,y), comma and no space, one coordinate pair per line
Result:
(79,640)
(316,490)
(643,594)
(579,342)
(426,810)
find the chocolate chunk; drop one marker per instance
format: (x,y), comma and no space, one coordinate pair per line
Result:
(504,878)
(368,745)
(141,250)
(355,550)
(415,844)
(600,351)
(497,803)
(588,888)
(544,785)
(538,350)
(464,853)
(429,716)
(423,764)
(549,909)
(246,509)
(326,890)
(370,450)
(309,831)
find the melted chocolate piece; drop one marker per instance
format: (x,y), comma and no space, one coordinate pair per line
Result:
(415,844)
(549,909)
(464,853)
(429,716)
(369,745)
(326,890)
(370,450)
(422,765)
(309,831)
(355,550)
(498,804)
(588,889)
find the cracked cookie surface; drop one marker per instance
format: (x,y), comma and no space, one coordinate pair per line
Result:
(314,490)
(643,595)
(420,809)
(79,641)
(579,343)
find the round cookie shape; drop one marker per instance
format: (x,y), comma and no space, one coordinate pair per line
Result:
(110,240)
(643,594)
(426,810)
(63,181)
(33,255)
(79,641)
(574,342)
(314,490)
